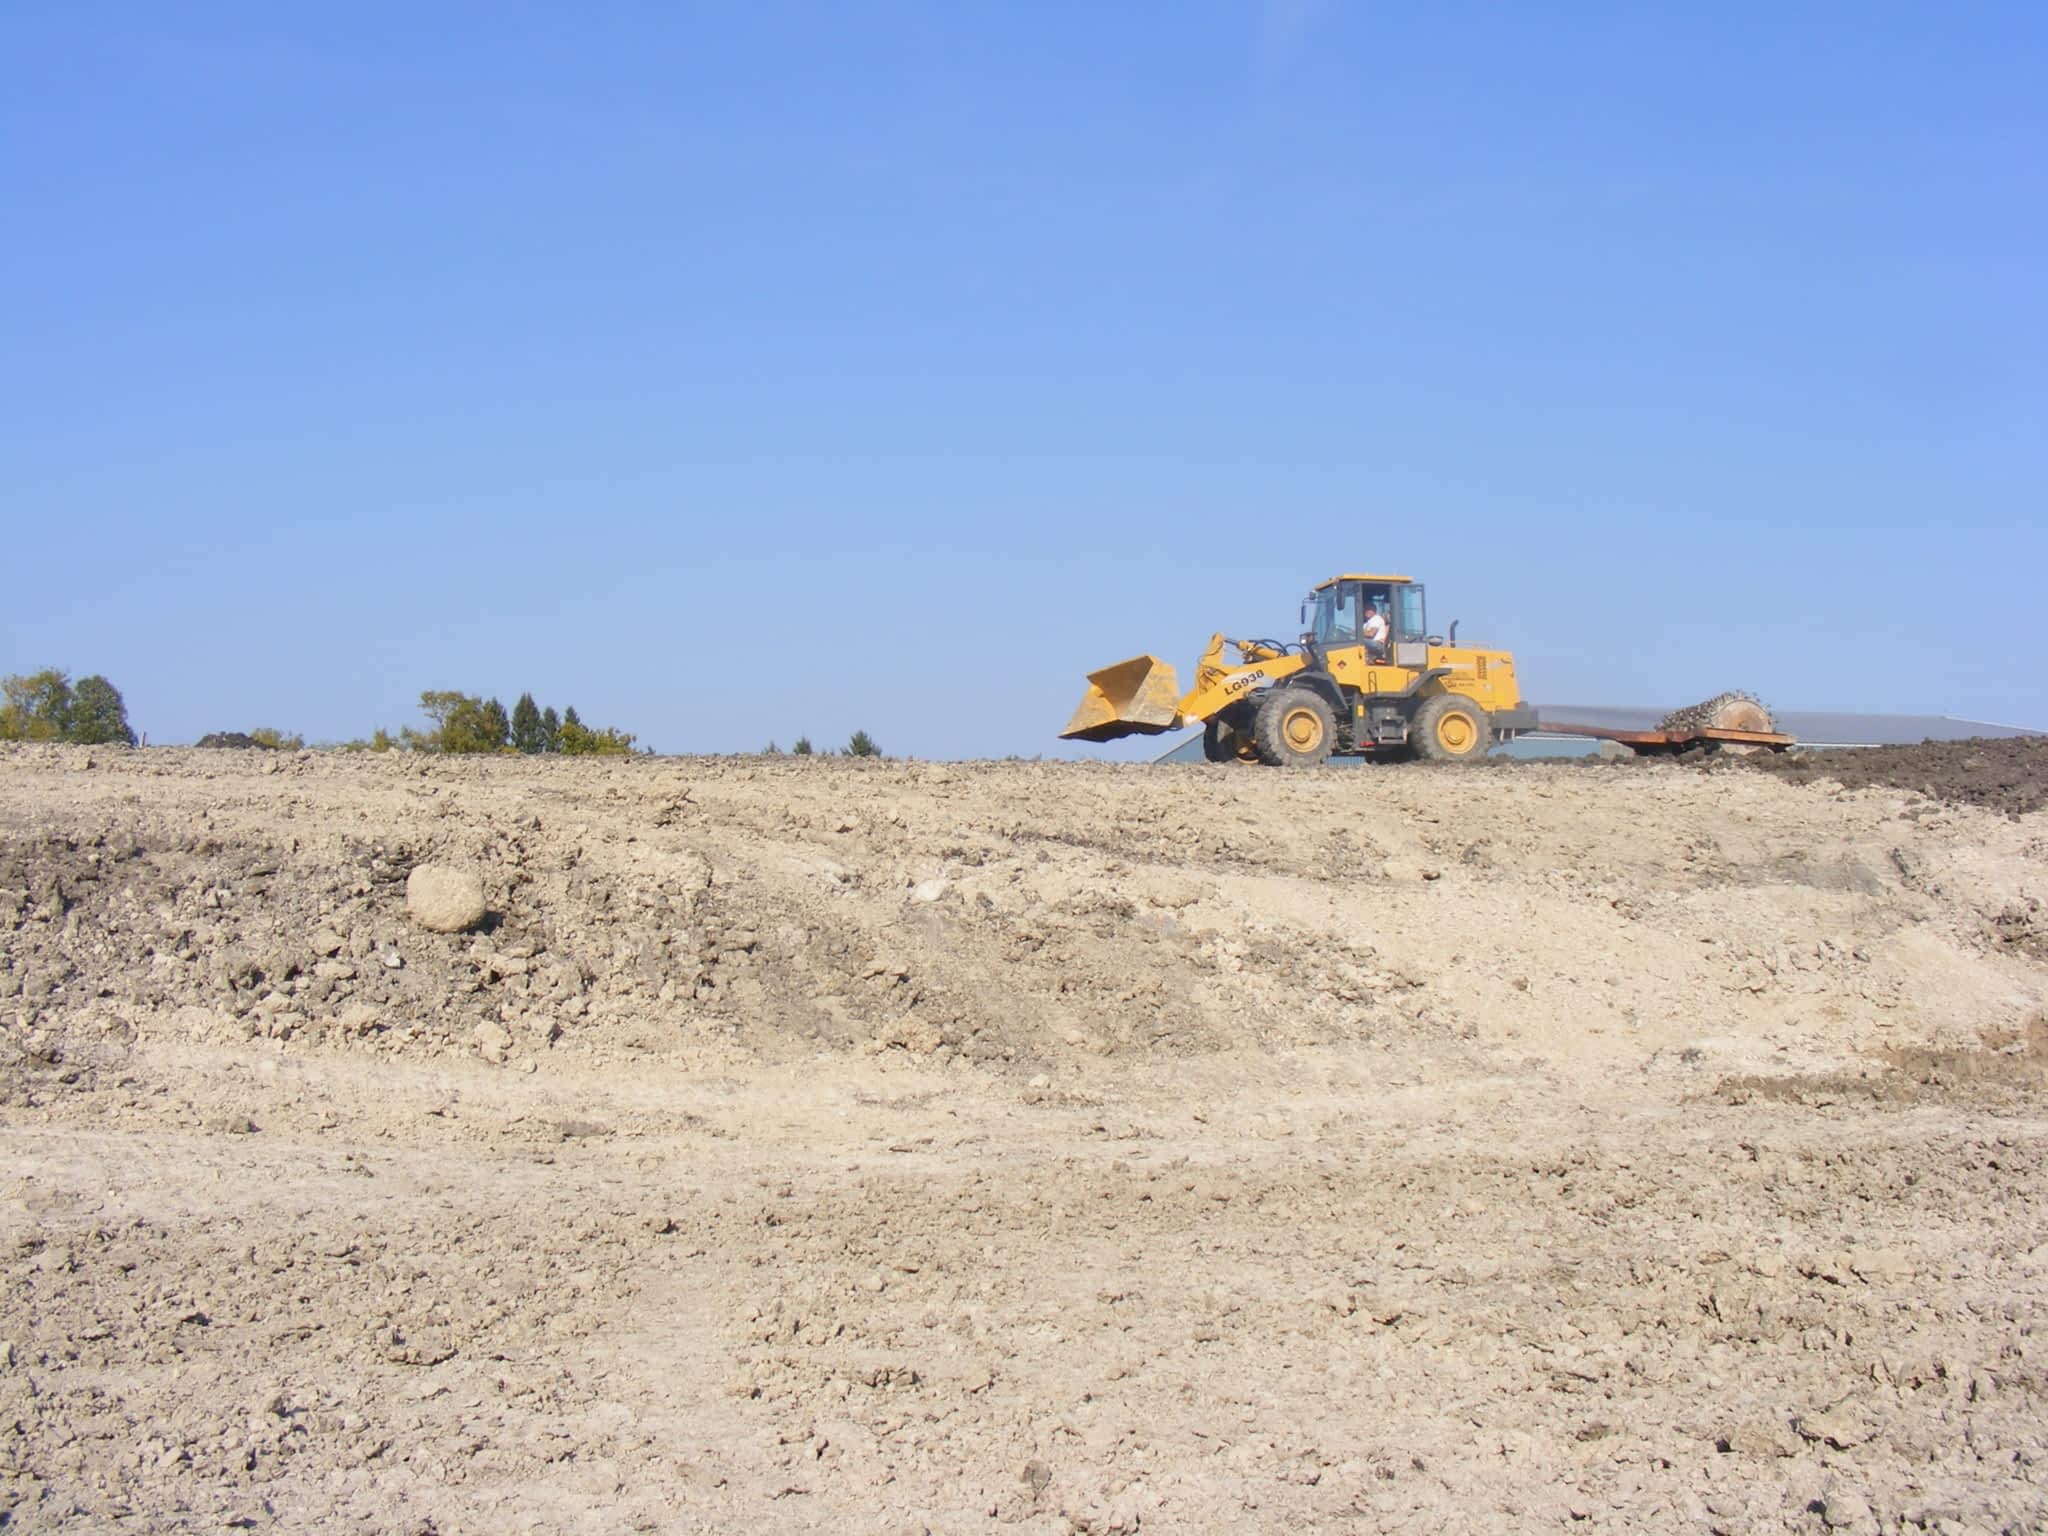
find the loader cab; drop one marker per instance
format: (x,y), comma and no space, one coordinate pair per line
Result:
(1332,613)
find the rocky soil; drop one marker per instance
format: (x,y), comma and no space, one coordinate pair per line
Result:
(2007,774)
(842,1146)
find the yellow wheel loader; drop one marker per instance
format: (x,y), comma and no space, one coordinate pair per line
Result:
(1365,677)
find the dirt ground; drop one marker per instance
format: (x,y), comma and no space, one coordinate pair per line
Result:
(841,1146)
(2007,774)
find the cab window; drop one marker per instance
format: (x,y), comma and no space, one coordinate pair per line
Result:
(1336,616)
(1408,615)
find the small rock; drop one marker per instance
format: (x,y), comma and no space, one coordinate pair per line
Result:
(444,899)
(1760,1440)
(1835,1429)
(1036,1473)
(234,1125)
(928,890)
(325,941)
(1876,1266)
(1844,1509)
(493,1042)
(393,960)
(358,1019)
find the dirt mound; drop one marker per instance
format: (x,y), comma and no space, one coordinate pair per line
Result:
(2008,774)
(2010,1067)
(832,1145)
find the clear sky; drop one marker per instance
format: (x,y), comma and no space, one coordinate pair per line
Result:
(739,370)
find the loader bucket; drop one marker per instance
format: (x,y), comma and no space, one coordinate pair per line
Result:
(1139,697)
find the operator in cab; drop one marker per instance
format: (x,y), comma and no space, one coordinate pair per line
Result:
(1374,632)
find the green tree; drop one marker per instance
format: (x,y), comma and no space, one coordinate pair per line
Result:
(98,714)
(579,740)
(268,736)
(528,734)
(38,707)
(861,744)
(462,723)
(570,717)
(550,730)
(771,750)
(802,748)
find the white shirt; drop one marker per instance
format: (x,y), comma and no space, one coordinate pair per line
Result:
(1376,629)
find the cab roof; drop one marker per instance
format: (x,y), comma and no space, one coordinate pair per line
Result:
(1361,576)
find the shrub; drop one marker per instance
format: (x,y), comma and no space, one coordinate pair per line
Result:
(579,740)
(38,706)
(462,723)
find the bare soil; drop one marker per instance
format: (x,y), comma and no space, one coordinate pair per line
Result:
(2008,774)
(847,1146)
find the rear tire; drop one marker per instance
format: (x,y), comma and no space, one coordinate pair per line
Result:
(1450,728)
(1294,728)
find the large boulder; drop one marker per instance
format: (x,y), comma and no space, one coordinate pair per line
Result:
(444,898)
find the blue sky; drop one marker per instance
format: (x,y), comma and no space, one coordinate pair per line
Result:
(735,371)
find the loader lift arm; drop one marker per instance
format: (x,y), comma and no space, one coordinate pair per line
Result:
(1141,696)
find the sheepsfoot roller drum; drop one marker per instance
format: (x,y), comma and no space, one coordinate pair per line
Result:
(1732,724)
(1139,697)
(1723,721)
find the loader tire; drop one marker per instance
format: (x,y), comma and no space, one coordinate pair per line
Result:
(1227,736)
(1294,728)
(1450,728)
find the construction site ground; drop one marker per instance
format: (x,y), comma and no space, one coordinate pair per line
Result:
(821,1145)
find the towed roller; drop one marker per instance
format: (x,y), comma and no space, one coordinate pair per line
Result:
(1138,697)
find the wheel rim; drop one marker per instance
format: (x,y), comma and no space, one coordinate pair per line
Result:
(1455,731)
(1302,730)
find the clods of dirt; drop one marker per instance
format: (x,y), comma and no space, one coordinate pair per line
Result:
(2008,774)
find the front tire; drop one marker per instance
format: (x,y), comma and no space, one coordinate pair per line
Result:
(1227,736)
(1450,728)
(1294,728)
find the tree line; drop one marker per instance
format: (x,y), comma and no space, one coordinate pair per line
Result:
(464,723)
(48,706)
(859,744)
